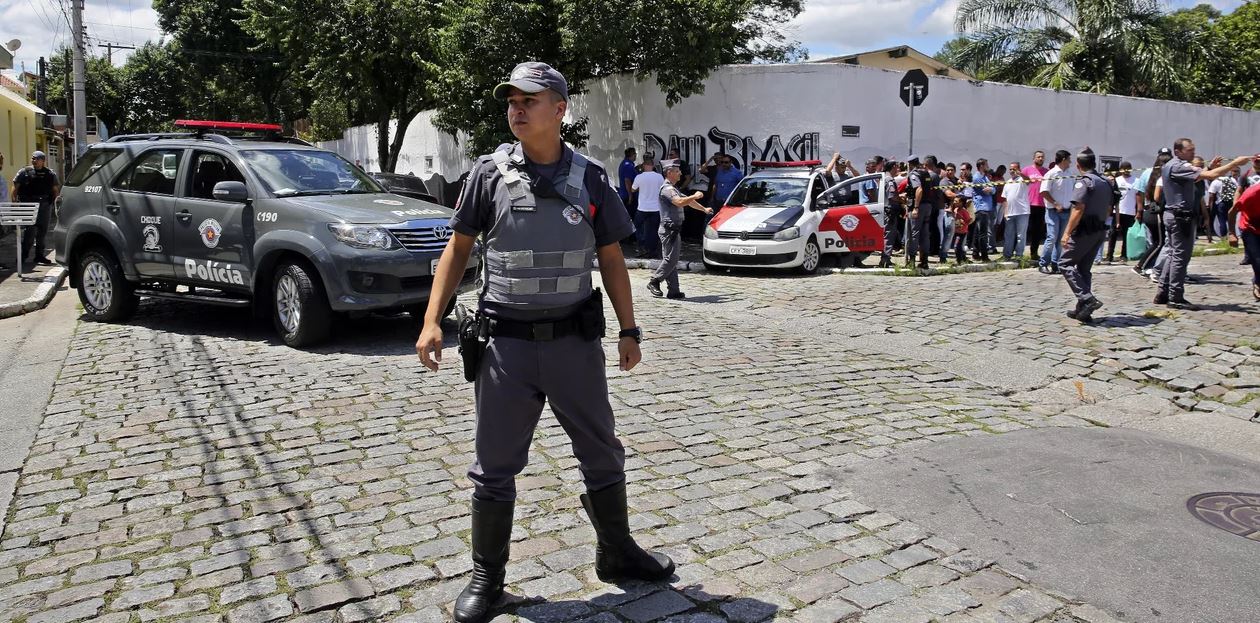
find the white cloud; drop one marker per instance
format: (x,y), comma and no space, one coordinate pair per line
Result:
(42,27)
(831,27)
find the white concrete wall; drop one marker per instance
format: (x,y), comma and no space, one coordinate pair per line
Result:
(796,111)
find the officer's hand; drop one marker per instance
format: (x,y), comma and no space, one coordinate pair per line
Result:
(430,342)
(629,354)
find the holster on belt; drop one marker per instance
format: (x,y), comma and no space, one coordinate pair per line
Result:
(592,315)
(472,340)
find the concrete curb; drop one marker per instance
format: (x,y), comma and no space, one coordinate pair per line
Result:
(44,292)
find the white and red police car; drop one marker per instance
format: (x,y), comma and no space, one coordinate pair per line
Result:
(789,214)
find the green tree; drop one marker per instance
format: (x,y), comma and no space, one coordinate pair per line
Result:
(676,42)
(1103,46)
(230,73)
(155,77)
(951,53)
(103,88)
(375,55)
(1231,75)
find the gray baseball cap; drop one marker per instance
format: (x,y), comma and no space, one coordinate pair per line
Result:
(38,154)
(533,77)
(671,164)
(913,160)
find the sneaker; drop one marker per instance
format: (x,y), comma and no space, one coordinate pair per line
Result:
(655,288)
(1137,270)
(1154,278)
(1182,304)
(43,261)
(675,295)
(1043,269)
(1161,298)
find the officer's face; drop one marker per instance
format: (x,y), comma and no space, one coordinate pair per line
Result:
(535,115)
(38,163)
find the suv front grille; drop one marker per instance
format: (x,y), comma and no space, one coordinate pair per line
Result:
(752,235)
(421,239)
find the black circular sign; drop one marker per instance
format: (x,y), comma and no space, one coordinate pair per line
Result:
(1238,513)
(916,82)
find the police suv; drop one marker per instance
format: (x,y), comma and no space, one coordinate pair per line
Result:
(790,214)
(236,214)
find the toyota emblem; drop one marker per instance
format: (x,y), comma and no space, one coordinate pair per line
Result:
(743,235)
(441,232)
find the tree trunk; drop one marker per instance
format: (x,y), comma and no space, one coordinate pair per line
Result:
(382,143)
(400,132)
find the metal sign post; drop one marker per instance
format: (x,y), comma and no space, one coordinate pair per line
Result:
(19,215)
(914,90)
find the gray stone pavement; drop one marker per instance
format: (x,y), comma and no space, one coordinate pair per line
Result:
(188,467)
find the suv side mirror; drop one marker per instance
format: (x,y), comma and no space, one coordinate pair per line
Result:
(230,191)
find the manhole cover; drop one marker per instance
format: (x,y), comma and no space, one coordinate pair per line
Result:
(1238,513)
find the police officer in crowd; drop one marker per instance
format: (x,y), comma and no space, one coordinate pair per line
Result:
(923,191)
(1084,234)
(672,204)
(543,212)
(893,213)
(1180,214)
(36,184)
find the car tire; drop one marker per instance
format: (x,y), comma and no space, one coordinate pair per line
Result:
(104,291)
(299,309)
(811,257)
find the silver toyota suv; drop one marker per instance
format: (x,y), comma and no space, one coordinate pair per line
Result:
(236,214)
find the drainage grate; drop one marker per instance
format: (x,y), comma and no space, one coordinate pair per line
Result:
(1238,513)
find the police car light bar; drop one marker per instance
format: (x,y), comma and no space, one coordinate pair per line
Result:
(772,164)
(227,125)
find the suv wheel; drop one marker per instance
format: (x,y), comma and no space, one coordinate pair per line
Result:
(106,294)
(299,308)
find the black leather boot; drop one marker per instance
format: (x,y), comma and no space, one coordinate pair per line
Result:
(491,534)
(617,556)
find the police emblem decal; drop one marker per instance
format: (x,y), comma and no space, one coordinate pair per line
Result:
(849,222)
(388,202)
(151,239)
(210,230)
(572,215)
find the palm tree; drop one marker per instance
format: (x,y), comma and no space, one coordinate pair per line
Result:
(1103,46)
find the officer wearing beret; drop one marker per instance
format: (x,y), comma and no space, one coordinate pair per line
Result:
(543,212)
(37,184)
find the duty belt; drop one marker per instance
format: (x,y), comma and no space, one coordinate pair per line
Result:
(535,331)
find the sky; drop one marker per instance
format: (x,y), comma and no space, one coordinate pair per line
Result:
(826,27)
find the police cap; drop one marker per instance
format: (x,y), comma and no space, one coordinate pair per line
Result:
(533,77)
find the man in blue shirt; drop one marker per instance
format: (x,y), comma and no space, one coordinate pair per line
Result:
(725,178)
(983,203)
(625,177)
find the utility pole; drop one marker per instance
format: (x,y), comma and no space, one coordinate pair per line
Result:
(80,101)
(110,47)
(68,92)
(41,91)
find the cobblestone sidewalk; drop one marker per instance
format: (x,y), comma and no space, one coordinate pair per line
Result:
(190,469)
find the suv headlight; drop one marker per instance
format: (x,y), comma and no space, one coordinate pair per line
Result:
(363,236)
(710,233)
(791,233)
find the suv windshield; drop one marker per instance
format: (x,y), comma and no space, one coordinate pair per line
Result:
(777,191)
(405,182)
(294,172)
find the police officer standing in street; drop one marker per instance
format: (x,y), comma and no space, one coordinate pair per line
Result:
(922,191)
(1084,234)
(673,203)
(1180,215)
(543,212)
(36,184)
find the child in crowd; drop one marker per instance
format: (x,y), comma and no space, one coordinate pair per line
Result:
(962,218)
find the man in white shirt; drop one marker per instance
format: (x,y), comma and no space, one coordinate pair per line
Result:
(648,186)
(1056,191)
(1126,212)
(1016,211)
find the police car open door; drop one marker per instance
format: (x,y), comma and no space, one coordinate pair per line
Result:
(853,221)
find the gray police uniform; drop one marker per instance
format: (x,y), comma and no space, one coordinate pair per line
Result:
(671,238)
(540,226)
(920,234)
(1093,194)
(1181,214)
(893,213)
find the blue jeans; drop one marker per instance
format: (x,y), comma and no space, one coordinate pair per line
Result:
(1015,236)
(647,225)
(1055,223)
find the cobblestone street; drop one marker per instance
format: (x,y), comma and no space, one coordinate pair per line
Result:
(189,467)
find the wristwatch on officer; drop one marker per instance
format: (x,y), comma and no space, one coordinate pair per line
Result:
(634,332)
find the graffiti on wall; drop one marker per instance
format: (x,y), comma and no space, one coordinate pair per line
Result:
(742,149)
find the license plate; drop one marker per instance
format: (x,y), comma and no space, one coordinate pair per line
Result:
(433,266)
(743,250)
